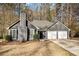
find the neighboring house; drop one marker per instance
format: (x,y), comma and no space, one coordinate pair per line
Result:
(24,29)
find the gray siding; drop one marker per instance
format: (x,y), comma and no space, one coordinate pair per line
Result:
(41,26)
(22,29)
(33,30)
(14,27)
(58,27)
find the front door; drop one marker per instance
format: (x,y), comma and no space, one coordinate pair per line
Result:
(42,34)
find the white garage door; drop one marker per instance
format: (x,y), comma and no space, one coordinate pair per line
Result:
(62,34)
(52,34)
(57,35)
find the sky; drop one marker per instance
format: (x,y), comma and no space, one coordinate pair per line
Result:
(33,6)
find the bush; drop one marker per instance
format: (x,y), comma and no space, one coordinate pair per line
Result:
(8,37)
(36,36)
(1,37)
(77,34)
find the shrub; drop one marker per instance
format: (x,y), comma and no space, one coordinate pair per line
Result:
(36,36)
(77,34)
(1,37)
(8,37)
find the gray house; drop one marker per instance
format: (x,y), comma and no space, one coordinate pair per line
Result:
(24,29)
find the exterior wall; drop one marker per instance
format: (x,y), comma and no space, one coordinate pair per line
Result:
(68,33)
(58,27)
(46,34)
(22,28)
(14,27)
(33,30)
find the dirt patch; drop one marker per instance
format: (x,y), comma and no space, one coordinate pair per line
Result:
(33,48)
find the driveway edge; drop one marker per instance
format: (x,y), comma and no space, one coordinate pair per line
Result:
(73,52)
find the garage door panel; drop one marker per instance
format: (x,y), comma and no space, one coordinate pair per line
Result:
(62,34)
(52,34)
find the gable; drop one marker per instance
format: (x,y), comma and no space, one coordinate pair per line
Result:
(58,27)
(17,24)
(14,25)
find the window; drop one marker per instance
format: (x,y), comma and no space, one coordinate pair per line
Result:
(31,33)
(13,33)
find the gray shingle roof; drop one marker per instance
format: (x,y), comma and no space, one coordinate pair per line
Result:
(41,24)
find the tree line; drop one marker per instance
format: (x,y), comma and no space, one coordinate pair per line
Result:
(66,13)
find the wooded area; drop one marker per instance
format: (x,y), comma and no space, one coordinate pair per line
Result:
(66,13)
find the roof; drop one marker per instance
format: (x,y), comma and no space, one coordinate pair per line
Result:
(18,22)
(41,25)
(13,24)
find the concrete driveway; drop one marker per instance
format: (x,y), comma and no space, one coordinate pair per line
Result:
(69,45)
(34,48)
